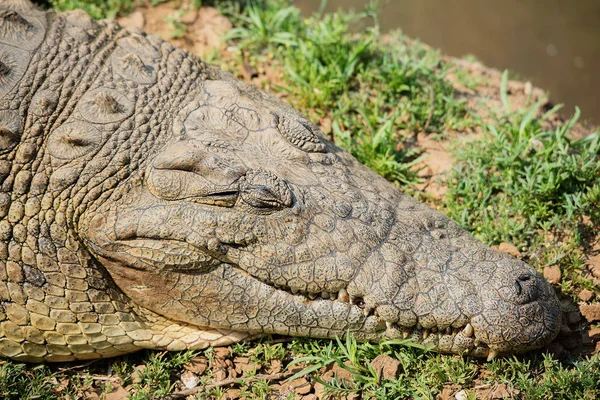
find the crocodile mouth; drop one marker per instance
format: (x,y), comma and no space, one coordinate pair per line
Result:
(447,339)
(453,340)
(466,338)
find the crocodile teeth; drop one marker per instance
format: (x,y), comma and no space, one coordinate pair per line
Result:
(325,295)
(388,325)
(468,331)
(295,291)
(312,296)
(367,311)
(425,334)
(333,296)
(448,331)
(343,296)
(434,330)
(406,333)
(492,354)
(476,343)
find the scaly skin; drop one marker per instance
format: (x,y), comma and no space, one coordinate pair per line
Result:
(148,200)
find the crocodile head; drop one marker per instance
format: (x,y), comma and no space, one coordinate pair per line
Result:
(247,219)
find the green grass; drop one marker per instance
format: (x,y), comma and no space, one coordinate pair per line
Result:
(522,180)
(96,8)
(19,381)
(530,185)
(330,70)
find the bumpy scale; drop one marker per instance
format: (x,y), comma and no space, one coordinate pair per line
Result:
(148,200)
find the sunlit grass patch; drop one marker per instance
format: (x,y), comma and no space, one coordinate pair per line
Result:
(529,185)
(96,8)
(376,91)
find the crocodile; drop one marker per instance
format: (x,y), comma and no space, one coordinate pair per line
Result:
(150,200)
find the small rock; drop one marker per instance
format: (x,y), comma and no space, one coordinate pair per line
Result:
(334,370)
(222,352)
(275,388)
(220,375)
(197,365)
(243,365)
(189,379)
(275,367)
(499,392)
(299,386)
(509,249)
(232,394)
(386,367)
(446,393)
(594,334)
(320,390)
(591,312)
(586,295)
(218,363)
(552,274)
(462,395)
(90,395)
(302,386)
(310,396)
(117,393)
(595,268)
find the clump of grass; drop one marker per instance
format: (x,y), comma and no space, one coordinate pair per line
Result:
(18,381)
(156,379)
(376,93)
(529,185)
(546,378)
(98,9)
(259,26)
(421,374)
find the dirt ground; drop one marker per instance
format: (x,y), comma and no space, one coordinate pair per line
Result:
(203,29)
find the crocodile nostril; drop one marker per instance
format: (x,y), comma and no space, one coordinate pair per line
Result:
(524,278)
(525,283)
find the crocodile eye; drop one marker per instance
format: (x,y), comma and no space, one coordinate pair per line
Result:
(263,190)
(261,197)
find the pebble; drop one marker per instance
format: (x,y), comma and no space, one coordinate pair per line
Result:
(462,395)
(509,249)
(189,379)
(386,367)
(552,274)
(591,312)
(586,295)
